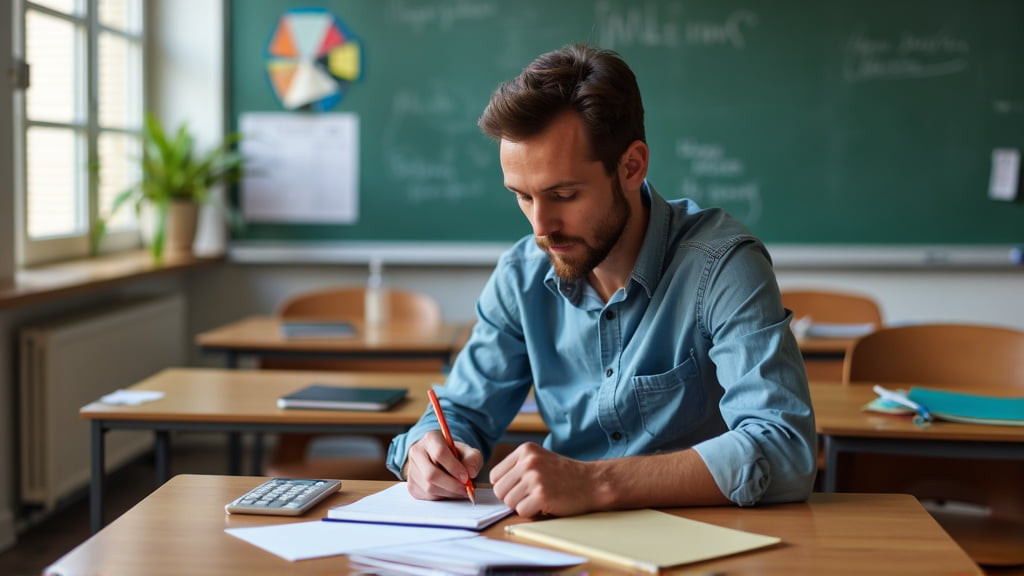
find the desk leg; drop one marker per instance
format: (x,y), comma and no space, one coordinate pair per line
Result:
(235,453)
(163,456)
(831,462)
(256,466)
(96,485)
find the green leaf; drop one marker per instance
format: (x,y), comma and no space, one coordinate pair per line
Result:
(172,170)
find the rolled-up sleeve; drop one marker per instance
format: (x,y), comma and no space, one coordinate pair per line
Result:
(768,453)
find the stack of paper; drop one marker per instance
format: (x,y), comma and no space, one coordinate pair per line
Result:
(464,556)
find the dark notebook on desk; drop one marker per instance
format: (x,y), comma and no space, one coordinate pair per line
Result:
(324,397)
(317,329)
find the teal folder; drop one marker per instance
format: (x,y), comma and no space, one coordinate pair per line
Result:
(960,407)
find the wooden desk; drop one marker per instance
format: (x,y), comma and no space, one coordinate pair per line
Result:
(260,336)
(823,357)
(244,401)
(179,529)
(846,428)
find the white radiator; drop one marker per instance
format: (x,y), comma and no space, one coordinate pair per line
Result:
(68,363)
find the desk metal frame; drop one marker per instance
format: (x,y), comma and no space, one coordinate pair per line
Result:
(233,355)
(162,446)
(836,445)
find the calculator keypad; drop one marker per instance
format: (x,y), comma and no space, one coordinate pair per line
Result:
(288,496)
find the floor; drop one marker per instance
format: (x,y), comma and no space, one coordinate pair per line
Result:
(51,538)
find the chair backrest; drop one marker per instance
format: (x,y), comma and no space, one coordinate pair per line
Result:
(832,307)
(939,355)
(348,303)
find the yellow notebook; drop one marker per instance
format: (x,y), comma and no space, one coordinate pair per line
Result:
(641,539)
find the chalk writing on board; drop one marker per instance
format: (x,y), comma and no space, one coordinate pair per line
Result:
(729,32)
(906,56)
(715,178)
(441,15)
(1007,106)
(437,172)
(647,24)
(654,24)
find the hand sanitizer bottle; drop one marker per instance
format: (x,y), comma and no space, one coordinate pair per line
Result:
(376,304)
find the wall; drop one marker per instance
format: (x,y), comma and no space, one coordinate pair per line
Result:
(187,85)
(6,153)
(188,34)
(7,534)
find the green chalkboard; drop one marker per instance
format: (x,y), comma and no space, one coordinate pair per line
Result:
(850,122)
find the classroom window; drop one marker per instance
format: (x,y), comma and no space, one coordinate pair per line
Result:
(81,122)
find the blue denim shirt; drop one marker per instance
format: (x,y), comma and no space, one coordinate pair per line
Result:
(695,351)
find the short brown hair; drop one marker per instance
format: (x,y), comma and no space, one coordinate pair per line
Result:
(596,84)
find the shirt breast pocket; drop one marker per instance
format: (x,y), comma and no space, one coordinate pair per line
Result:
(671,404)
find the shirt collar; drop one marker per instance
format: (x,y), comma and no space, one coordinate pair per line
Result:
(648,267)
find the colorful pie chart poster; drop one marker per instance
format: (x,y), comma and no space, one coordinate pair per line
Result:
(312,59)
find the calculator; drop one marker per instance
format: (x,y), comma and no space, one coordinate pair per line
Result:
(283,496)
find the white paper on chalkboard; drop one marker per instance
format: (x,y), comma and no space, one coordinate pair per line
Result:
(300,168)
(1005,174)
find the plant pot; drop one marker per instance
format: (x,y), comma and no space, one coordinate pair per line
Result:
(182,217)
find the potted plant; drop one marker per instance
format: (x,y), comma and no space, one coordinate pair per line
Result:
(175,182)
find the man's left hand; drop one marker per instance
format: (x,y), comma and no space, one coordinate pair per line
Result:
(534,481)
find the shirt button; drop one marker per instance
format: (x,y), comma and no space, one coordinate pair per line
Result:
(616,436)
(609,315)
(609,372)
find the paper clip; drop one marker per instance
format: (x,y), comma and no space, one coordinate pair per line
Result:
(922,417)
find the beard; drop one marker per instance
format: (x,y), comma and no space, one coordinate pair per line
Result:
(606,234)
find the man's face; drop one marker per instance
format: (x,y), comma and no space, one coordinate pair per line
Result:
(577,211)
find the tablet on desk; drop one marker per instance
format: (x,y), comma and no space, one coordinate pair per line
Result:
(325,397)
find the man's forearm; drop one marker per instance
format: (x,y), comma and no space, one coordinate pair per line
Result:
(656,481)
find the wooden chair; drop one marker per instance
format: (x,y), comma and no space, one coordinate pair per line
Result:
(324,456)
(947,356)
(831,307)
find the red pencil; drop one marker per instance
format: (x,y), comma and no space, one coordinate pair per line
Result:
(448,438)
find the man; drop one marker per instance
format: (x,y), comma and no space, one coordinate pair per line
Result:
(652,332)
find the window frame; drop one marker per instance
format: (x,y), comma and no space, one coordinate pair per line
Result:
(31,251)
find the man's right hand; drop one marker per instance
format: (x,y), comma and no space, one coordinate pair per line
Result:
(434,473)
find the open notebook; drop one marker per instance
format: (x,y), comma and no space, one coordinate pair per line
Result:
(395,505)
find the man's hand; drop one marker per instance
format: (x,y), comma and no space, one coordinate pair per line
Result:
(434,473)
(534,481)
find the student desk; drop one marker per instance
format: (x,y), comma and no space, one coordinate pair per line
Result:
(245,401)
(179,529)
(260,336)
(824,357)
(844,427)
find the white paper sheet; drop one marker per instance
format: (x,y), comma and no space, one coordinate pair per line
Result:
(395,505)
(300,168)
(304,540)
(131,397)
(466,557)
